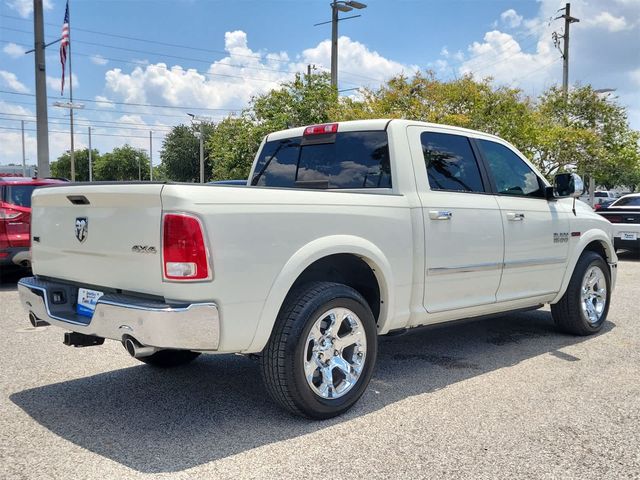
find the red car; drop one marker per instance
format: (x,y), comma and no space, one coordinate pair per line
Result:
(15,218)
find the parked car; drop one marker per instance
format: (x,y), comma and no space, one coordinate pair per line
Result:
(624,213)
(346,231)
(228,182)
(603,204)
(15,218)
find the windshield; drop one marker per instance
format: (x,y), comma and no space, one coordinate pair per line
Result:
(343,160)
(19,194)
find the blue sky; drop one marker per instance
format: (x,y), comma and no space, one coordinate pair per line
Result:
(242,48)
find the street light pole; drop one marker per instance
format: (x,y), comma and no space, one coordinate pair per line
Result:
(90,158)
(150,155)
(339,6)
(202,120)
(334,44)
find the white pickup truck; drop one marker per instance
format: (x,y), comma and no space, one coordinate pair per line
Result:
(344,232)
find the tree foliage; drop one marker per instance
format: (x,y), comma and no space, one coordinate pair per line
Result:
(583,129)
(123,163)
(180,154)
(62,166)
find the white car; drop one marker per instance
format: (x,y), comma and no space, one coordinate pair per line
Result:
(344,232)
(624,214)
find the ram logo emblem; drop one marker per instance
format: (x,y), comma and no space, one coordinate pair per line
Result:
(82,228)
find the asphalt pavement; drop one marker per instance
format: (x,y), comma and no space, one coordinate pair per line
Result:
(507,397)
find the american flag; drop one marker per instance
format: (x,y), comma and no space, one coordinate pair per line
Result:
(64,44)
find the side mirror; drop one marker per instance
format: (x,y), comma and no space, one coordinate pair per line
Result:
(567,185)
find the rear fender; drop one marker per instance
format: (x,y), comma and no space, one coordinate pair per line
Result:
(309,254)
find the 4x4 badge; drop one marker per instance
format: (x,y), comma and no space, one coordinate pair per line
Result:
(82,228)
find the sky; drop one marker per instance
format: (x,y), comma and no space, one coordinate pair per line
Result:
(141,66)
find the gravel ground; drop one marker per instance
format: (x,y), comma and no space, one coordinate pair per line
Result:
(507,397)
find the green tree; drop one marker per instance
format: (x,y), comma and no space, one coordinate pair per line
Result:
(233,146)
(62,166)
(180,154)
(123,163)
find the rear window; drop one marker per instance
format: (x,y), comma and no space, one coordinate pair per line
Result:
(342,160)
(18,194)
(627,202)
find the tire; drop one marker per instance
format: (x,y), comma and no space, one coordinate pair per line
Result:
(572,313)
(301,340)
(170,358)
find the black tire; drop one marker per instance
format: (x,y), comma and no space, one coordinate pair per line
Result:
(282,361)
(568,313)
(170,358)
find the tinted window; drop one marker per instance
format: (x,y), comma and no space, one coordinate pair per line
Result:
(510,173)
(627,202)
(344,160)
(601,195)
(19,194)
(450,162)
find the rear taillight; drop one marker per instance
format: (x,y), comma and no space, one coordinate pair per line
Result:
(614,218)
(184,252)
(7,213)
(321,129)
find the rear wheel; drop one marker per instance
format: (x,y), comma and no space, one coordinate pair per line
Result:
(170,358)
(583,308)
(322,352)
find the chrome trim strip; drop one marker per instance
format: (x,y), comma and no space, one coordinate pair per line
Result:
(480,267)
(534,263)
(483,267)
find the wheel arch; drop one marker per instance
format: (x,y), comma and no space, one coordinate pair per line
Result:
(332,255)
(595,241)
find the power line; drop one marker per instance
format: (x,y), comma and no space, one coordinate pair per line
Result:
(81,133)
(89,123)
(151,105)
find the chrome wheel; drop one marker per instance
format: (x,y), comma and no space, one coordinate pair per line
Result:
(594,294)
(335,352)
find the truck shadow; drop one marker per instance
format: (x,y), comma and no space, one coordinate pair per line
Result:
(9,278)
(167,421)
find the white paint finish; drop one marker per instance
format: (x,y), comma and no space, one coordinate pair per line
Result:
(534,263)
(261,239)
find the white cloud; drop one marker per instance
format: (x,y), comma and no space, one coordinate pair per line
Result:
(98,60)
(103,102)
(11,81)
(11,108)
(25,7)
(609,22)
(13,50)
(55,83)
(511,18)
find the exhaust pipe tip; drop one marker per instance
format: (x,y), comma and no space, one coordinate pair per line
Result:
(136,349)
(35,321)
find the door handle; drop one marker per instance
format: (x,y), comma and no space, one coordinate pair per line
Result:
(515,217)
(440,215)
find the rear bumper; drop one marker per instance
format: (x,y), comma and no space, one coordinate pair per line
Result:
(193,326)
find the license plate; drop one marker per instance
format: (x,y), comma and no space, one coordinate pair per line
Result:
(87,300)
(628,235)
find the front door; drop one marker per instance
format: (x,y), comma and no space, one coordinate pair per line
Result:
(536,231)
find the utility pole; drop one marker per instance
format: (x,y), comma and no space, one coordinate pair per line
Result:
(24,159)
(42,122)
(150,156)
(568,20)
(90,158)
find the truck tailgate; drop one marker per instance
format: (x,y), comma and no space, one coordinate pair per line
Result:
(102,235)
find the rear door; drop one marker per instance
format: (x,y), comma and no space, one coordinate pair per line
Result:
(536,231)
(463,227)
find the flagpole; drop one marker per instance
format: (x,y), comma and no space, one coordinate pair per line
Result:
(73,163)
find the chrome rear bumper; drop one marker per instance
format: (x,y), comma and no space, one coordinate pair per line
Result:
(194,326)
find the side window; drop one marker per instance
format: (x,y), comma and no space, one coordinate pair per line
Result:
(451,164)
(510,173)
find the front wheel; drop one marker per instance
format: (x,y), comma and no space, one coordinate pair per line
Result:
(322,352)
(583,308)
